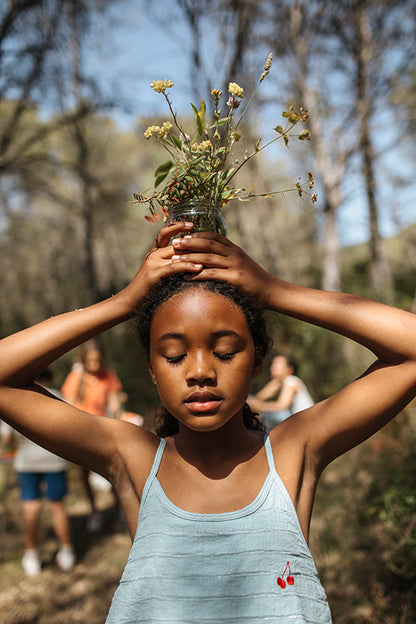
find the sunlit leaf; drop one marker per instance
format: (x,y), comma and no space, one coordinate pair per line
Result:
(177,141)
(164,168)
(160,178)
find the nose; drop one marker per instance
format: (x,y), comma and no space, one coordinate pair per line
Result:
(201,369)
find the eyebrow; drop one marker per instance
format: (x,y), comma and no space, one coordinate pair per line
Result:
(218,334)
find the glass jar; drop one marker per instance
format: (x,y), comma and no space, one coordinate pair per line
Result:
(205,216)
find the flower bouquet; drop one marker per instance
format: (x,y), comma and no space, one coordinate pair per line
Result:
(198,178)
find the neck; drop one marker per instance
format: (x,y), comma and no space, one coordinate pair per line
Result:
(225,447)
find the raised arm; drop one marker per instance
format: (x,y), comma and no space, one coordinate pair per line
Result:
(23,356)
(283,402)
(365,405)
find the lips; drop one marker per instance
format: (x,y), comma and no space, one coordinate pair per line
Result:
(201,402)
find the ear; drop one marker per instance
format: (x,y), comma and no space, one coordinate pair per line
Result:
(258,365)
(151,373)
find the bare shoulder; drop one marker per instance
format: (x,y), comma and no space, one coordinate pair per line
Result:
(135,454)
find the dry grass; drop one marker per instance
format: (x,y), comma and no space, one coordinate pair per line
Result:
(55,597)
(363,537)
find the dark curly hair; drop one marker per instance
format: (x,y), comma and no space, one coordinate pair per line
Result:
(176,284)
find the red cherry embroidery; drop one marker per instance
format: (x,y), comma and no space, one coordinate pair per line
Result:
(289,578)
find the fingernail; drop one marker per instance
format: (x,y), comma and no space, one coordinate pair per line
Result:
(176,241)
(175,258)
(189,224)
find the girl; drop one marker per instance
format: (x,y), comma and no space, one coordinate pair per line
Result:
(92,387)
(224,519)
(293,395)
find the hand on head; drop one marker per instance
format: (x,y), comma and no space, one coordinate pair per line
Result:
(222,260)
(204,255)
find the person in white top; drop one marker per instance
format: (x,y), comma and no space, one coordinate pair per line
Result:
(41,473)
(284,395)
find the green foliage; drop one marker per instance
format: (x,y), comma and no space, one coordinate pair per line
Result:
(364,529)
(202,167)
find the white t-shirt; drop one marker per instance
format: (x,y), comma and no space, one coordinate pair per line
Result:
(30,457)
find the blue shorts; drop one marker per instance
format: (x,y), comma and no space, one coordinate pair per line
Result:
(35,484)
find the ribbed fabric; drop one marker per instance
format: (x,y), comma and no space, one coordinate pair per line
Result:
(190,568)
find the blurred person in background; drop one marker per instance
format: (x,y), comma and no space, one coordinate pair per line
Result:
(41,474)
(92,387)
(285,394)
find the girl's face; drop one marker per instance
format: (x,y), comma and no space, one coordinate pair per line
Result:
(202,358)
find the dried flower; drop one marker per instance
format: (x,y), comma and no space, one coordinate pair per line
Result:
(160,86)
(203,167)
(216,95)
(236,90)
(267,66)
(233,103)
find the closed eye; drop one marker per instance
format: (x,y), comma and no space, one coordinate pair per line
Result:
(175,359)
(224,356)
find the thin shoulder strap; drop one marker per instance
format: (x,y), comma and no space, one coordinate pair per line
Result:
(155,468)
(269,454)
(157,459)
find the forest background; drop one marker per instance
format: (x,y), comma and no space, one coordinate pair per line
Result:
(74,103)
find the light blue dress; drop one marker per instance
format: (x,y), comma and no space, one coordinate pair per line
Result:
(249,566)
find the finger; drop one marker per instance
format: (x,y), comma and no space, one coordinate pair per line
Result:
(182,267)
(211,235)
(216,274)
(205,259)
(165,233)
(220,246)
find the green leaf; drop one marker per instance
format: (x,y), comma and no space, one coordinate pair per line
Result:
(164,168)
(177,141)
(202,110)
(200,120)
(220,122)
(160,178)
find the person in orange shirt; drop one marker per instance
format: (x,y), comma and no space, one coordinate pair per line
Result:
(93,388)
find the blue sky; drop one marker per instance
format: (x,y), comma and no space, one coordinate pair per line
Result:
(127,56)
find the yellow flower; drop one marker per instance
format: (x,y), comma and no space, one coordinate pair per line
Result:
(164,130)
(201,148)
(150,131)
(161,132)
(216,94)
(160,86)
(236,90)
(304,135)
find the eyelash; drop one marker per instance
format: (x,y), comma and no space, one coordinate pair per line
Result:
(175,360)
(225,357)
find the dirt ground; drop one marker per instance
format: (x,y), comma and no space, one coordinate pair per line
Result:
(56,597)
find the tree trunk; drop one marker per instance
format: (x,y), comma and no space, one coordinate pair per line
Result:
(380,270)
(82,165)
(329,168)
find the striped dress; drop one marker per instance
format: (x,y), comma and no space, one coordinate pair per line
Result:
(249,566)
